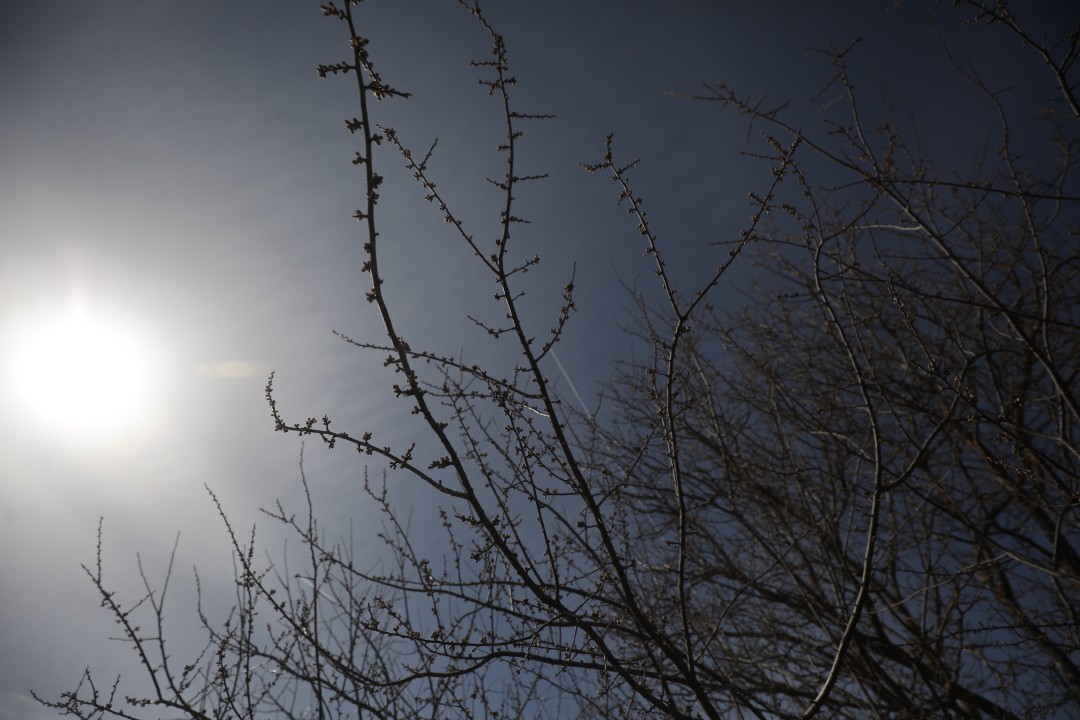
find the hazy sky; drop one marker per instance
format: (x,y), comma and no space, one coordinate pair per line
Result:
(177,171)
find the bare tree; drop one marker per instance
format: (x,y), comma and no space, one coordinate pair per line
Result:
(858,495)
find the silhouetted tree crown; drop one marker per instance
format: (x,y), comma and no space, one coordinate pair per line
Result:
(855,495)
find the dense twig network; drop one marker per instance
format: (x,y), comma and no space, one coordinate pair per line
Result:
(857,496)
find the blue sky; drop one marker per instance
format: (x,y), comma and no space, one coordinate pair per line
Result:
(179,172)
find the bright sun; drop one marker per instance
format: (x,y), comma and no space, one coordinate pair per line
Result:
(81,375)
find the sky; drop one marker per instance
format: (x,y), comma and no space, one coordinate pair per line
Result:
(174,175)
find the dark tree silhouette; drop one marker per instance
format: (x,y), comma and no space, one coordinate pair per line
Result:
(858,495)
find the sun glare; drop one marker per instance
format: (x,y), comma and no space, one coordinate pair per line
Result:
(80,375)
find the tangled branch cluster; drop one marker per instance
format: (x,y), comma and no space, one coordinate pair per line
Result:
(857,496)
